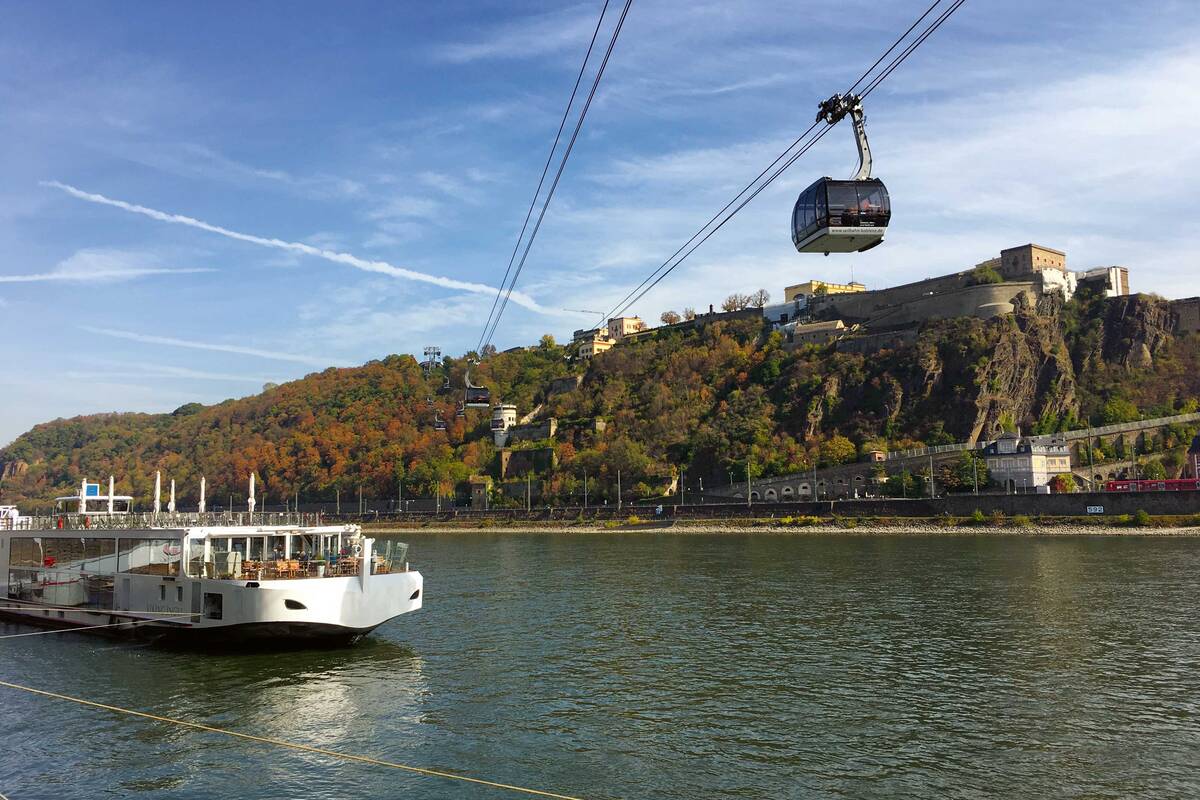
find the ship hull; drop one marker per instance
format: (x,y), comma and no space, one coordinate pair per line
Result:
(140,583)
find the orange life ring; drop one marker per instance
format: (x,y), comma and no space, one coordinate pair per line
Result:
(60,523)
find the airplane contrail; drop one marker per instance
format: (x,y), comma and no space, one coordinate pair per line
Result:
(381,267)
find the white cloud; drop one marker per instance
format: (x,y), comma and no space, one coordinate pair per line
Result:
(453,187)
(763,82)
(528,37)
(322,361)
(189,159)
(100,266)
(406,207)
(381,267)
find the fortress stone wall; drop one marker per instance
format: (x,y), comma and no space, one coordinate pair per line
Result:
(1187,315)
(914,303)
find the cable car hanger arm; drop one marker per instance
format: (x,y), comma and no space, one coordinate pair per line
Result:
(833,110)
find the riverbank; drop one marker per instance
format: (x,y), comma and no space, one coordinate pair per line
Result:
(940,527)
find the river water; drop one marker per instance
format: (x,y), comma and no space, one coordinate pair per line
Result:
(672,666)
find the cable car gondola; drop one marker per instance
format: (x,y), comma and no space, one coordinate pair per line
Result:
(850,216)
(460,410)
(439,424)
(476,396)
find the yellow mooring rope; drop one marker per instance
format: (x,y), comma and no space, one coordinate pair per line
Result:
(123,624)
(291,745)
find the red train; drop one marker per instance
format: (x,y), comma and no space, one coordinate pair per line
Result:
(1172,485)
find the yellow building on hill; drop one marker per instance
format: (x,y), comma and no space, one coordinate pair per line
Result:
(810,288)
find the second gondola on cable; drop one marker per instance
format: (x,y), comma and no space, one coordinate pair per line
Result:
(476,396)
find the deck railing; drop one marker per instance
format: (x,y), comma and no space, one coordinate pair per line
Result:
(161,520)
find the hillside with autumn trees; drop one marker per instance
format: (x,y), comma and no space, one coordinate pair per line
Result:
(715,400)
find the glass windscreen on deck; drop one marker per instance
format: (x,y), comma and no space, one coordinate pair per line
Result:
(389,556)
(272,556)
(63,572)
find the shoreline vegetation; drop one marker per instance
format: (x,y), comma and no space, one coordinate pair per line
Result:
(1123,525)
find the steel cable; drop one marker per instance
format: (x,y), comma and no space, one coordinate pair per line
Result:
(558,174)
(545,169)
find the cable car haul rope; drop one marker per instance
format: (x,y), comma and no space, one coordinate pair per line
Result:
(320,751)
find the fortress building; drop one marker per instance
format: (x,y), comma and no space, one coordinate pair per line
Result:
(990,289)
(813,288)
(1029,259)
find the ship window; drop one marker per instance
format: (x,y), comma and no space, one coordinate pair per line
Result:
(26,552)
(150,556)
(415,595)
(64,571)
(295,605)
(162,591)
(179,594)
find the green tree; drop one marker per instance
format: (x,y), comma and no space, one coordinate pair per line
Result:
(837,449)
(1118,410)
(1153,471)
(984,274)
(1063,484)
(903,484)
(960,475)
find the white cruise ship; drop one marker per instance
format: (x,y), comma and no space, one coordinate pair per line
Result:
(208,578)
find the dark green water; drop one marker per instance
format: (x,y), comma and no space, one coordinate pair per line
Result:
(668,666)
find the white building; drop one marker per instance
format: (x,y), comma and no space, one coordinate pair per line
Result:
(783,313)
(593,342)
(1022,464)
(620,327)
(504,416)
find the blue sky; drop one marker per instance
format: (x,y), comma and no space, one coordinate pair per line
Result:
(408,138)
